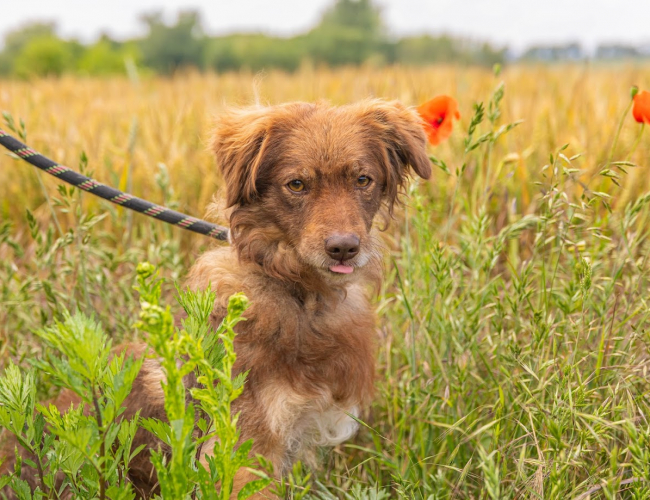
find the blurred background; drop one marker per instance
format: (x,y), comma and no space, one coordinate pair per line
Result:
(41,37)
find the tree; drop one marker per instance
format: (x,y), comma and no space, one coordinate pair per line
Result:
(44,56)
(17,39)
(254,52)
(107,57)
(168,48)
(350,32)
(360,15)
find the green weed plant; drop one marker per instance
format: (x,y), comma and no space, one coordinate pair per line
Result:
(84,451)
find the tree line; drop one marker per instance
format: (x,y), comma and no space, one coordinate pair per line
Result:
(350,32)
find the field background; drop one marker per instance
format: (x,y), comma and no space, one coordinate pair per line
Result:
(513,320)
(579,105)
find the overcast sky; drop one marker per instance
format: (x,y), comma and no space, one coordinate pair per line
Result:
(518,23)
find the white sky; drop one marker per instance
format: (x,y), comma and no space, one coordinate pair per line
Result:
(518,23)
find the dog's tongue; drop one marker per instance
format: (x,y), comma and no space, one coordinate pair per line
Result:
(341,268)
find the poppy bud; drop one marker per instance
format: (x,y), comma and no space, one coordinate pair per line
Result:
(641,107)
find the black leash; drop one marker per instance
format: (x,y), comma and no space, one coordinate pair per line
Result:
(109,193)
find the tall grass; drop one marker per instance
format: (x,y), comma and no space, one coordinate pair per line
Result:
(513,334)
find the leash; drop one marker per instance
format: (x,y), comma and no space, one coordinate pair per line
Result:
(111,194)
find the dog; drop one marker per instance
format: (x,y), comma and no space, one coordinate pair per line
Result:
(304,183)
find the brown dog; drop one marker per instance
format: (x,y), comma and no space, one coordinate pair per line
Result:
(304,183)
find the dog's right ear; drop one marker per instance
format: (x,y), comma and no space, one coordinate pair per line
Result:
(401,144)
(248,141)
(240,141)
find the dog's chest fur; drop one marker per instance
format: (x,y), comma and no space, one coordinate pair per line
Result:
(307,405)
(314,361)
(302,421)
(309,358)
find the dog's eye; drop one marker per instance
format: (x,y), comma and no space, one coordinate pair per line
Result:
(363,181)
(296,186)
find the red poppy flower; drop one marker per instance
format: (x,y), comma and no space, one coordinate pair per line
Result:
(641,109)
(438,115)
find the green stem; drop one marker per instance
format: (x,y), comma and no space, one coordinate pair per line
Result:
(618,133)
(102,451)
(82,256)
(636,142)
(133,132)
(452,202)
(27,446)
(41,473)
(49,202)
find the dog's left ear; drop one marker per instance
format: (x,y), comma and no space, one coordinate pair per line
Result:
(402,147)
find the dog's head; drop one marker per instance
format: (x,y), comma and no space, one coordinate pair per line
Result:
(305,182)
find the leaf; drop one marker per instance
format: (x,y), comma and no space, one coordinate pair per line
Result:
(253,487)
(158,428)
(241,455)
(440,164)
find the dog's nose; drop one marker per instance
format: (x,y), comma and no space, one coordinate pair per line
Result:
(342,246)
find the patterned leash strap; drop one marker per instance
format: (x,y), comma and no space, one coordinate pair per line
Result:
(109,193)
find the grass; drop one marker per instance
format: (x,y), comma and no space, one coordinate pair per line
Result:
(514,319)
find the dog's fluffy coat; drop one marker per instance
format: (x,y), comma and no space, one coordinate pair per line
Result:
(308,342)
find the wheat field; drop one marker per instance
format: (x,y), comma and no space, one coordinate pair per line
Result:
(514,324)
(127,129)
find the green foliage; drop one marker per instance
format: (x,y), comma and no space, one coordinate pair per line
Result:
(43,56)
(196,348)
(168,48)
(525,339)
(253,52)
(358,492)
(350,32)
(106,57)
(82,452)
(427,49)
(85,450)
(360,15)
(16,40)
